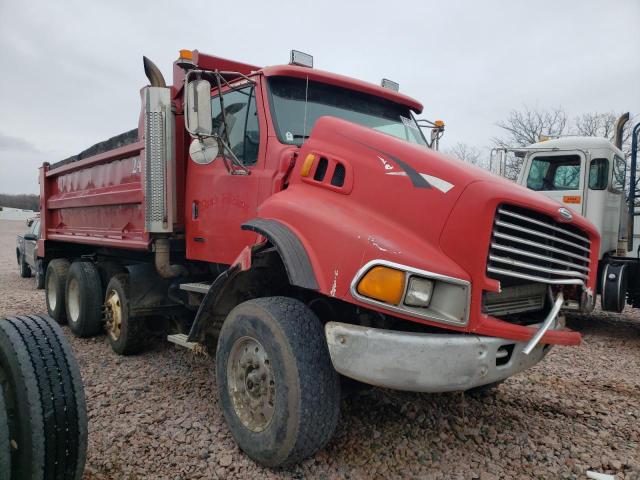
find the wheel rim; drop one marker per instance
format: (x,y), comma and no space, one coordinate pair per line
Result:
(251,383)
(114,314)
(52,294)
(73,299)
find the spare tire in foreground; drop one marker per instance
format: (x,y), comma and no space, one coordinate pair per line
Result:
(44,400)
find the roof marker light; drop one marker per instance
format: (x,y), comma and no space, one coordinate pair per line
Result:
(185,60)
(390,84)
(186,54)
(300,58)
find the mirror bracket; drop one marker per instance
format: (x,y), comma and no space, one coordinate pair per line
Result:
(197,108)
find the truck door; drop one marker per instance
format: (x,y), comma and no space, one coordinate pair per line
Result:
(558,175)
(30,245)
(606,184)
(218,202)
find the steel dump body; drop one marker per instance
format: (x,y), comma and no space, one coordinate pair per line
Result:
(97,200)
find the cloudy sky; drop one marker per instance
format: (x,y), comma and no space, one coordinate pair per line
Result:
(72,70)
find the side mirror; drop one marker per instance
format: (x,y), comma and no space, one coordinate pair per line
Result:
(204,150)
(30,236)
(198,107)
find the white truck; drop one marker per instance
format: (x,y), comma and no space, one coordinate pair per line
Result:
(588,175)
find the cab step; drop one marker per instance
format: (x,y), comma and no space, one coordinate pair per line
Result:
(197,287)
(181,340)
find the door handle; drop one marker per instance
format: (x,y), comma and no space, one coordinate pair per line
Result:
(194,210)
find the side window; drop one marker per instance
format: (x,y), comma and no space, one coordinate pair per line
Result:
(554,173)
(598,173)
(537,174)
(242,120)
(619,172)
(35,228)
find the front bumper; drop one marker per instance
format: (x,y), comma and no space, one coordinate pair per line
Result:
(425,362)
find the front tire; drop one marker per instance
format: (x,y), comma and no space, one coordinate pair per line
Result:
(83,299)
(55,282)
(279,392)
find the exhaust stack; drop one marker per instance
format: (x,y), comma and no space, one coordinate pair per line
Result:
(153,73)
(617,140)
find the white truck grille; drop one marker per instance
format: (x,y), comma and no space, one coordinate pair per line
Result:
(531,246)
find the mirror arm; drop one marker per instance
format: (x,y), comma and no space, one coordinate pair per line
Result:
(222,111)
(235,166)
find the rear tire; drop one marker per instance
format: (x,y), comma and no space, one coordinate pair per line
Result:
(279,392)
(25,270)
(39,274)
(40,374)
(55,281)
(83,299)
(126,333)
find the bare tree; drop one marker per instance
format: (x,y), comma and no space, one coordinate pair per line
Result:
(24,201)
(526,126)
(595,125)
(603,125)
(468,153)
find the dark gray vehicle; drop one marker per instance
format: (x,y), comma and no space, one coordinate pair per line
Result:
(27,253)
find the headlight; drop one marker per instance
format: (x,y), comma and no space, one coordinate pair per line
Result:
(419,292)
(414,292)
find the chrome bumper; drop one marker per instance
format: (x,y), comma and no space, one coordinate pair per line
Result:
(425,362)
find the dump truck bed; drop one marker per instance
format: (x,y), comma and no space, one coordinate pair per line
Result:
(96,197)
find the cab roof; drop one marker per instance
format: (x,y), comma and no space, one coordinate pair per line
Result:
(577,143)
(211,62)
(342,81)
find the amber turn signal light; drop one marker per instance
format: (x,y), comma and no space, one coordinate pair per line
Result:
(384,284)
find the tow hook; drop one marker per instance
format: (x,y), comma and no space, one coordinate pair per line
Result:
(550,320)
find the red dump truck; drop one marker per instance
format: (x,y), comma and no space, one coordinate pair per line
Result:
(298,225)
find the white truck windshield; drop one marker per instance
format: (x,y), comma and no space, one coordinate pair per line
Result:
(287,97)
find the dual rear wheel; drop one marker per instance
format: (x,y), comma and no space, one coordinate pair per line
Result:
(75,296)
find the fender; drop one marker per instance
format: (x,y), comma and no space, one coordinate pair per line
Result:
(295,258)
(251,271)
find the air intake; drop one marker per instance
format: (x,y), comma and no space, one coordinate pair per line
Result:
(159,168)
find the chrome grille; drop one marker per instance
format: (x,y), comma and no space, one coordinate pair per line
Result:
(531,246)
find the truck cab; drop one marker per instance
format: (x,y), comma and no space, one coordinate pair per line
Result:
(585,174)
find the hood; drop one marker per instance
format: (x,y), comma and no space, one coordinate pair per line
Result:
(408,184)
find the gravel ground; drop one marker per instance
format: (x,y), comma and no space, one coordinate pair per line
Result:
(156,415)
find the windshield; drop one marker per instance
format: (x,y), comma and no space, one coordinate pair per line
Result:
(287,96)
